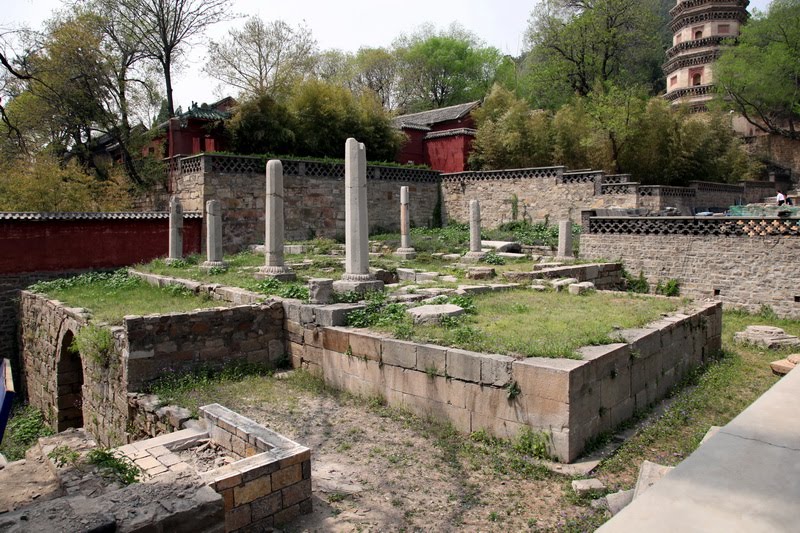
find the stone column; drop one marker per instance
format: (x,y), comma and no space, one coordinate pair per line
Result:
(175,230)
(475,253)
(405,251)
(564,239)
(356,277)
(213,236)
(273,236)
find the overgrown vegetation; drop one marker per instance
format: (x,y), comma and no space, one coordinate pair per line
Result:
(522,323)
(670,287)
(95,342)
(114,466)
(637,284)
(111,296)
(24,428)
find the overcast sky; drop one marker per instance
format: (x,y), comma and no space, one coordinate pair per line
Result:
(346,25)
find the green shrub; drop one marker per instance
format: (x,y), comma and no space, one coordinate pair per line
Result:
(24,428)
(638,284)
(120,468)
(96,343)
(492,258)
(671,287)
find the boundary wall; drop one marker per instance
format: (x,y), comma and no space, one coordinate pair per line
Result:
(744,262)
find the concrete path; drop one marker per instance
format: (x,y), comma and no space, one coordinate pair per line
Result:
(746,478)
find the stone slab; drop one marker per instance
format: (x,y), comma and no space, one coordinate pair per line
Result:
(584,487)
(562,284)
(584,287)
(431,314)
(766,336)
(781,367)
(649,473)
(481,273)
(361,287)
(617,501)
(502,246)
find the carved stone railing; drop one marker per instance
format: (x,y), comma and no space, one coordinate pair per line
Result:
(733,226)
(697,90)
(714,40)
(691,19)
(716,187)
(699,58)
(689,5)
(490,175)
(666,191)
(617,178)
(583,176)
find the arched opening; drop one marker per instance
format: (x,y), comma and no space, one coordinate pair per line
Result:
(697,79)
(70,384)
(698,34)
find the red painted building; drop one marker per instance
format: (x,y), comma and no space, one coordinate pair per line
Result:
(199,129)
(440,138)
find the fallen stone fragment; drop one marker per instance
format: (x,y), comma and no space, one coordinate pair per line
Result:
(540,288)
(481,273)
(432,314)
(582,487)
(794,358)
(649,473)
(781,367)
(562,284)
(581,288)
(768,337)
(502,246)
(616,501)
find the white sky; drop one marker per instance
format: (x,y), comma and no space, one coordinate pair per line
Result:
(346,25)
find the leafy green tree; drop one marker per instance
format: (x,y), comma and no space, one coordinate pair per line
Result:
(262,58)
(445,68)
(575,44)
(510,134)
(262,126)
(377,70)
(759,78)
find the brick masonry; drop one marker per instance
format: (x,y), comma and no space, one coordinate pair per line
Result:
(571,400)
(741,271)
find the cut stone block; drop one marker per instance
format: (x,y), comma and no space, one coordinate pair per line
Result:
(582,487)
(766,336)
(794,358)
(502,246)
(581,288)
(431,314)
(473,289)
(361,287)
(294,249)
(562,284)
(617,501)
(540,288)
(426,276)
(449,279)
(481,273)
(473,257)
(451,257)
(781,367)
(511,255)
(320,290)
(406,274)
(649,473)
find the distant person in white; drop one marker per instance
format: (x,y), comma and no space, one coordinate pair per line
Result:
(781,198)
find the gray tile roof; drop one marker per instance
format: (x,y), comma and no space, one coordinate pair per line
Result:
(434,116)
(92,216)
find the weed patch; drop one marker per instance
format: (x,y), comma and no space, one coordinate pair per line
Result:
(24,428)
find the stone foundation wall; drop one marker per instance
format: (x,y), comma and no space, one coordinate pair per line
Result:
(178,342)
(570,400)
(271,483)
(740,270)
(46,327)
(605,276)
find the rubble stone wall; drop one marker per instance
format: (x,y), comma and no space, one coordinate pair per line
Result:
(741,271)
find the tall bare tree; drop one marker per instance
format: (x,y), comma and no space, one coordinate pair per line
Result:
(262,58)
(167,27)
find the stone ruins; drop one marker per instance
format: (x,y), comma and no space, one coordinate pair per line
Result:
(273,241)
(213,235)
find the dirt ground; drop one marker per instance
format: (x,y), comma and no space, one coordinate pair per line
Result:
(378,469)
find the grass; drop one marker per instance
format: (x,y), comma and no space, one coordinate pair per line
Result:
(111,296)
(24,428)
(531,324)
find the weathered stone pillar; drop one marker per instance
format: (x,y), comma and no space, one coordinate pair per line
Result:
(565,239)
(175,230)
(356,277)
(405,251)
(475,253)
(213,236)
(273,236)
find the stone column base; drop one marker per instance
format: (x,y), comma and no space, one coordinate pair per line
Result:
(275,272)
(473,257)
(208,265)
(360,287)
(405,253)
(565,258)
(172,260)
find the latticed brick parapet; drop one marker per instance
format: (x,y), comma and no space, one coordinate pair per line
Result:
(489,175)
(693,5)
(715,40)
(731,226)
(226,164)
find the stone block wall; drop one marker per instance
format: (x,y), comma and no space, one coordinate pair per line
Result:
(177,342)
(271,483)
(605,276)
(570,400)
(744,270)
(46,330)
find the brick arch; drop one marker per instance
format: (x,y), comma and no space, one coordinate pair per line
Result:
(69,385)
